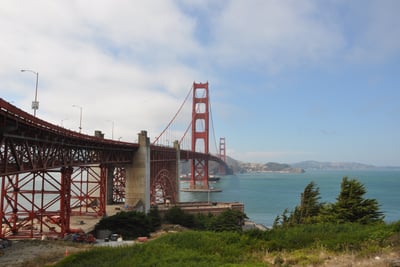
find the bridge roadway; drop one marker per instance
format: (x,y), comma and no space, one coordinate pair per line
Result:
(92,172)
(29,144)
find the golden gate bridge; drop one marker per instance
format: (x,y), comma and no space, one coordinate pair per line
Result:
(49,173)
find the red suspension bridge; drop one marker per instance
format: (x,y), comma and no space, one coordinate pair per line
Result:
(49,173)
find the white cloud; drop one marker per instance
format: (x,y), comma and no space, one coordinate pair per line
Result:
(275,34)
(118,60)
(133,62)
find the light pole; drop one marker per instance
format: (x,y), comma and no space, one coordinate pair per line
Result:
(112,129)
(80,117)
(35,103)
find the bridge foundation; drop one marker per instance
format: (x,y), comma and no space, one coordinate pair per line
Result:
(137,187)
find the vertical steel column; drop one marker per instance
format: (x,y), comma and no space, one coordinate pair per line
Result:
(2,206)
(65,201)
(9,205)
(200,143)
(103,190)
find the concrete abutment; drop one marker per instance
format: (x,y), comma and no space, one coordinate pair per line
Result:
(137,187)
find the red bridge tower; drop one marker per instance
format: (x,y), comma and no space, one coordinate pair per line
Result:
(200,129)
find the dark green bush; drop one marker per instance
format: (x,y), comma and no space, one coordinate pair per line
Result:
(130,224)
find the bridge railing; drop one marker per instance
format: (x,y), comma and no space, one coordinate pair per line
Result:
(11,112)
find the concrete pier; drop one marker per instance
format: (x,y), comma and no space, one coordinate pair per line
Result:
(137,187)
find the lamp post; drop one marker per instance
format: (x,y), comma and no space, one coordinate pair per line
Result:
(35,103)
(80,117)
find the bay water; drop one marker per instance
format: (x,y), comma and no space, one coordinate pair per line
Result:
(266,195)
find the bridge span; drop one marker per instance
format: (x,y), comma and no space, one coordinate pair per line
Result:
(49,173)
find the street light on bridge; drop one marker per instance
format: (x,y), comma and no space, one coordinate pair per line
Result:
(80,117)
(35,103)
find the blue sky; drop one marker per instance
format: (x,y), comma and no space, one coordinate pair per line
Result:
(289,80)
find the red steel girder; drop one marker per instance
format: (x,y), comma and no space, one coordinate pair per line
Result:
(30,144)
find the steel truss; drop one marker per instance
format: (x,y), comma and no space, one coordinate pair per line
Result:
(163,175)
(31,204)
(119,181)
(88,190)
(49,173)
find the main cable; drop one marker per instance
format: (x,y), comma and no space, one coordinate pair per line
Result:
(176,114)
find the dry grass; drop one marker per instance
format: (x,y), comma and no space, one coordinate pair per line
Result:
(321,257)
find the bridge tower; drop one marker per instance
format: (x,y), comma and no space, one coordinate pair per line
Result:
(222,155)
(222,151)
(200,134)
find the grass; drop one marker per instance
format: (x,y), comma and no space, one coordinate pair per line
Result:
(300,246)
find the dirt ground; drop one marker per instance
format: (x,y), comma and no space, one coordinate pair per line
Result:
(32,253)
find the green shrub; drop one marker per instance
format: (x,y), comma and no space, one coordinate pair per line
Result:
(130,224)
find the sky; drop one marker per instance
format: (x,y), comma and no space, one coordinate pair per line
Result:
(289,80)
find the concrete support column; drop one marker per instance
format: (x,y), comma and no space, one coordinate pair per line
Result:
(137,187)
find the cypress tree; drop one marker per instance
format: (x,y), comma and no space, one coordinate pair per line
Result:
(351,206)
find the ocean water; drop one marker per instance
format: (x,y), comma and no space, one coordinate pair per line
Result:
(266,195)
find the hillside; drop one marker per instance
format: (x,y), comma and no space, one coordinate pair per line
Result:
(299,167)
(316,165)
(246,167)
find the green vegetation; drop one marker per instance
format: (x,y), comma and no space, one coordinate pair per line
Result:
(351,206)
(273,166)
(301,244)
(134,224)
(312,233)
(131,224)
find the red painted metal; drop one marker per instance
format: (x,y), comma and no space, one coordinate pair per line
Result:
(88,187)
(119,181)
(48,172)
(30,144)
(163,175)
(31,202)
(200,134)
(222,149)
(222,170)
(65,201)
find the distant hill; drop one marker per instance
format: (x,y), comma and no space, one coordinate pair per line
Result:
(246,167)
(237,166)
(316,165)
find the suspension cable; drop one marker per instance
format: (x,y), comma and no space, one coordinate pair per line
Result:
(176,114)
(212,125)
